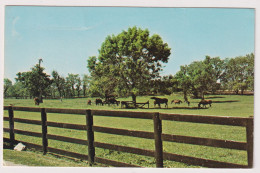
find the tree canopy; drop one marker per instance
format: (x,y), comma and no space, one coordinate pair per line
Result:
(128,62)
(36,81)
(211,74)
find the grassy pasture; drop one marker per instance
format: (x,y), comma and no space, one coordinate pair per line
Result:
(237,106)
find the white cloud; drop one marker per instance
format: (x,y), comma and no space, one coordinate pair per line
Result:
(66,28)
(14,22)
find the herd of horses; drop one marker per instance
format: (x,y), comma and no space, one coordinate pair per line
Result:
(100,102)
(157,101)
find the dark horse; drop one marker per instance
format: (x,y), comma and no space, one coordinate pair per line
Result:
(99,102)
(159,101)
(204,103)
(36,101)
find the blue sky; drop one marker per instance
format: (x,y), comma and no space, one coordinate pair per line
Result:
(64,37)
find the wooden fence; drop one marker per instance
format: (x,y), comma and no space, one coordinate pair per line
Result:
(157,136)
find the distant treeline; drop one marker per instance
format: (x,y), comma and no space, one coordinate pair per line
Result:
(210,76)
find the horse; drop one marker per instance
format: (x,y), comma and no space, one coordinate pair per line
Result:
(159,101)
(36,101)
(99,101)
(89,102)
(204,103)
(176,101)
(111,101)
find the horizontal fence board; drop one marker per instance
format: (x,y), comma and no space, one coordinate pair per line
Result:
(232,121)
(66,111)
(67,139)
(123,114)
(6,130)
(200,161)
(133,133)
(27,121)
(205,141)
(113,163)
(67,125)
(29,109)
(22,132)
(68,153)
(125,149)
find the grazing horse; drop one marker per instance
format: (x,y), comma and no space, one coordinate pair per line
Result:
(36,101)
(204,103)
(159,101)
(99,101)
(176,101)
(89,102)
(113,101)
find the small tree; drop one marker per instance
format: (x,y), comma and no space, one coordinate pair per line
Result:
(36,81)
(7,86)
(58,81)
(239,73)
(85,84)
(183,80)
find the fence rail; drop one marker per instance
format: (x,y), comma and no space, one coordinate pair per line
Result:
(157,135)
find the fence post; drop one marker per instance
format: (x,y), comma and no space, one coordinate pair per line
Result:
(158,140)
(11,126)
(90,136)
(250,141)
(44,131)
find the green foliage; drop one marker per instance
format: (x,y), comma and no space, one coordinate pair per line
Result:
(36,81)
(239,73)
(7,86)
(59,82)
(128,62)
(200,76)
(211,74)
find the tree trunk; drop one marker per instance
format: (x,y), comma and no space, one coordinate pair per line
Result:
(185,95)
(133,97)
(202,95)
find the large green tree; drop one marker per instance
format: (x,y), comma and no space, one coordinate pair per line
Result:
(128,62)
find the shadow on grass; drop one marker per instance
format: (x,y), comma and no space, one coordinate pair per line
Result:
(227,101)
(214,97)
(166,108)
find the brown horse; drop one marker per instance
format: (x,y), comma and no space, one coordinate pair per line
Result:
(159,101)
(204,103)
(176,101)
(89,102)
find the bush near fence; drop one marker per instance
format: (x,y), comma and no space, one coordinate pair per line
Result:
(157,136)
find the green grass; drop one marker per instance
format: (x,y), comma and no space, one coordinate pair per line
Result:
(35,158)
(236,106)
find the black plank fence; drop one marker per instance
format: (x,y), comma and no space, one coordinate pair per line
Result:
(157,136)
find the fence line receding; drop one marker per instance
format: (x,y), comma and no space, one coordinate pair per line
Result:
(156,135)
